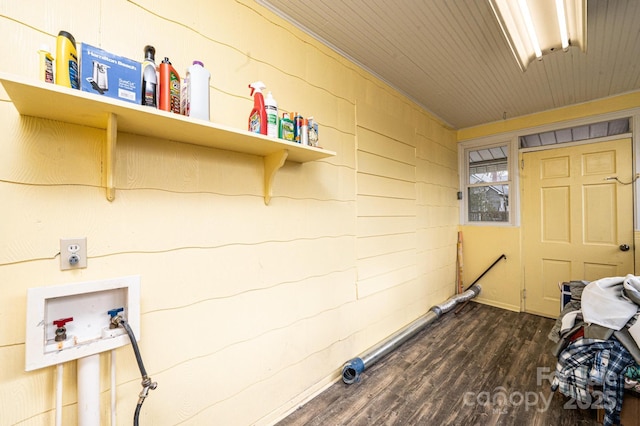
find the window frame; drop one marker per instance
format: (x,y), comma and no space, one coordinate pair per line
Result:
(512,160)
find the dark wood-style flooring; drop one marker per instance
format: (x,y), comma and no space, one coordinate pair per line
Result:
(482,366)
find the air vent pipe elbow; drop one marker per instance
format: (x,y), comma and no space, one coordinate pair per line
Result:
(445,307)
(352,369)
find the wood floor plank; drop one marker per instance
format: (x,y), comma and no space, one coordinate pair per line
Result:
(483,366)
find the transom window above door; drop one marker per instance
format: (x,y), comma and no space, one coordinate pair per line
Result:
(576,133)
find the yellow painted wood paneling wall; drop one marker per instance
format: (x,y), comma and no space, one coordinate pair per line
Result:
(558,115)
(502,285)
(247,310)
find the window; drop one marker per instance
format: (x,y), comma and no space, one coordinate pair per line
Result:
(488,164)
(488,184)
(603,129)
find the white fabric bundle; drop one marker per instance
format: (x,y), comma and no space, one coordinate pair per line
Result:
(604,303)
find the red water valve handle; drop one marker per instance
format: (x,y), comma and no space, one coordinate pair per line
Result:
(61,322)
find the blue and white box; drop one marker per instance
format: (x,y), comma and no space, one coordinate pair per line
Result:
(109,75)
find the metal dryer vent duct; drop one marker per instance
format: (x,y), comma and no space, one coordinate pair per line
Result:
(352,369)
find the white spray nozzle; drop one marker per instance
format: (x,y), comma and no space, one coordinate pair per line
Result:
(257,86)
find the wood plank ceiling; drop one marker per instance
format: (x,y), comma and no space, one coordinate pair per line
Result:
(451,57)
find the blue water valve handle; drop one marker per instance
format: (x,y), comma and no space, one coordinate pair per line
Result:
(113,312)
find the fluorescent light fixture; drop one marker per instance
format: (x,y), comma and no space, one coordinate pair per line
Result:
(562,24)
(534,28)
(531,31)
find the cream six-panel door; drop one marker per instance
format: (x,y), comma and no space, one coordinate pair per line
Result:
(577,219)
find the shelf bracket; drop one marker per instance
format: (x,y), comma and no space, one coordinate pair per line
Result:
(110,156)
(272,163)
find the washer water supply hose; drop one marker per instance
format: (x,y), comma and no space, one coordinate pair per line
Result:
(147,384)
(352,369)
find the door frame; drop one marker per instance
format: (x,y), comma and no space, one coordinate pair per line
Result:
(511,135)
(525,230)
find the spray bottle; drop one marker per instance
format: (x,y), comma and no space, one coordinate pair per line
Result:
(258,116)
(271,106)
(149,77)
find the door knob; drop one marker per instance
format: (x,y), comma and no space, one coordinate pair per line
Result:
(624,247)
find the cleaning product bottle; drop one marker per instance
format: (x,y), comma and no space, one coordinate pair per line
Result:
(149,77)
(286,128)
(297,128)
(46,64)
(169,92)
(271,106)
(258,116)
(196,91)
(67,61)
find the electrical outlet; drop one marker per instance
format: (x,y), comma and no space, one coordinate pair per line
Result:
(73,253)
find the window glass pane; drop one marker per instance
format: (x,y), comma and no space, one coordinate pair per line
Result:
(488,165)
(577,133)
(488,203)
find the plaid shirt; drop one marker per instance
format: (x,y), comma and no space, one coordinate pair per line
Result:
(586,363)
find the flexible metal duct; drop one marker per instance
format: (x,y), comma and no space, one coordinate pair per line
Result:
(352,369)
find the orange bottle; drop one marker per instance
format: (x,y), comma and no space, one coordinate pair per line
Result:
(169,99)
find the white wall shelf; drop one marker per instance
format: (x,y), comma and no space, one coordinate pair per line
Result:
(50,101)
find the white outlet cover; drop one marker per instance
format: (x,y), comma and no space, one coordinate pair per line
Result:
(88,334)
(69,246)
